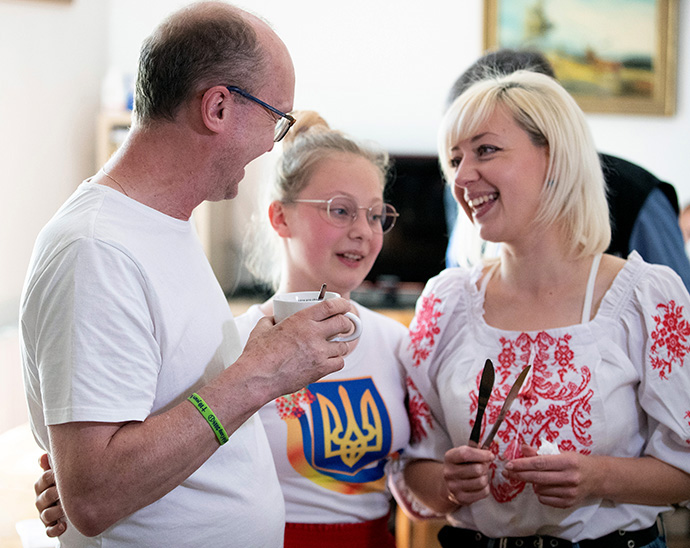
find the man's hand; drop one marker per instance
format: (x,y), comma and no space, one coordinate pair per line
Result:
(298,351)
(48,501)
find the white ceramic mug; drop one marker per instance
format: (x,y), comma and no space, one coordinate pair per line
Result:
(286,304)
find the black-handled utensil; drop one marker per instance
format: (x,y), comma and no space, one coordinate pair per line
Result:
(485,386)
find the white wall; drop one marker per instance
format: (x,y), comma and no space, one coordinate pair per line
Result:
(373,68)
(381,70)
(51,59)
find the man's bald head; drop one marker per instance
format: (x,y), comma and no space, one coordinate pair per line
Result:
(200,46)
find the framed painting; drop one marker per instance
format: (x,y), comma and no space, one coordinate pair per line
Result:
(613,56)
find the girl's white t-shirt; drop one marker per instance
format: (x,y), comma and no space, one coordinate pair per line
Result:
(333,440)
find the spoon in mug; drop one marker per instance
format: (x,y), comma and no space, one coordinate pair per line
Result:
(322,293)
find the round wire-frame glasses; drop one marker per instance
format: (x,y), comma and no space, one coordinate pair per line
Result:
(342,211)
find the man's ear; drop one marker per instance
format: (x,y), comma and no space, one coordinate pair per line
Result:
(279,222)
(217,106)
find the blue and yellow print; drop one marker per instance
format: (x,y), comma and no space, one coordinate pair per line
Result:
(343,440)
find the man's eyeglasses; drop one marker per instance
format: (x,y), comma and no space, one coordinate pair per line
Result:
(342,211)
(284,122)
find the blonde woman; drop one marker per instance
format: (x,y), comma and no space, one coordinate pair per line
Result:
(606,339)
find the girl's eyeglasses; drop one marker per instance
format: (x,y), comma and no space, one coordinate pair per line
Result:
(342,211)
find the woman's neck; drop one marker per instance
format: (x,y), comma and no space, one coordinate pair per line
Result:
(544,261)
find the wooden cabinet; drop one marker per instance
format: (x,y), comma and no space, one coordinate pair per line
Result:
(410,533)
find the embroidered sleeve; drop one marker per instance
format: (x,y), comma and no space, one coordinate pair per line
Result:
(664,309)
(444,297)
(418,353)
(428,441)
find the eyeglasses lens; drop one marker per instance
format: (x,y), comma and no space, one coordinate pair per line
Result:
(343,212)
(281,129)
(388,218)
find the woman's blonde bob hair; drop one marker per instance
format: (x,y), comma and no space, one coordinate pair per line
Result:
(574,194)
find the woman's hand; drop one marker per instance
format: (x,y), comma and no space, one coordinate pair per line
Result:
(466,471)
(462,478)
(48,501)
(566,480)
(562,481)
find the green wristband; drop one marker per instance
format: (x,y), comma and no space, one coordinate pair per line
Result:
(211,419)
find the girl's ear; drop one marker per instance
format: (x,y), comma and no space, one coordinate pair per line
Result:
(279,221)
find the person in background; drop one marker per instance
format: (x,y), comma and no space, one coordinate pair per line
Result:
(643,209)
(332,440)
(137,383)
(596,444)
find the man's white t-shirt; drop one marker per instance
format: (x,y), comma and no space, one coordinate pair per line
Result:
(123,318)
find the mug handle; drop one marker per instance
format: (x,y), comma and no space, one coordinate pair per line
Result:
(356,333)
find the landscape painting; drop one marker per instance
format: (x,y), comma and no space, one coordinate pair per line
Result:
(614,56)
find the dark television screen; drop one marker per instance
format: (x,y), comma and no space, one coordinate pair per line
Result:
(414,250)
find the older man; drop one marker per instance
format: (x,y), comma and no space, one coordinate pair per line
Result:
(136,381)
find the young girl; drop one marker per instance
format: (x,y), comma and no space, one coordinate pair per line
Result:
(332,440)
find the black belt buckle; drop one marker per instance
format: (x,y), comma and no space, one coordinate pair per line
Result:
(536,541)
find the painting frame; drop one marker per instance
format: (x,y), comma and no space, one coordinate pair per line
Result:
(650,90)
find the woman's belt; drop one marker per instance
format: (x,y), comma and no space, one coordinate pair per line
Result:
(450,537)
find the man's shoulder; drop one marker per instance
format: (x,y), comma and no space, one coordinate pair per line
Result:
(70,223)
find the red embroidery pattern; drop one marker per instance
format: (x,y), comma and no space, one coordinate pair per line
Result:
(670,339)
(418,412)
(687,416)
(289,407)
(554,403)
(424,328)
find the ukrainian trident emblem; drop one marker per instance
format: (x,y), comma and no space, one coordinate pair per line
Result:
(350,430)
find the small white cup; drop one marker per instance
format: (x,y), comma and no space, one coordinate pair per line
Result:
(286,304)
